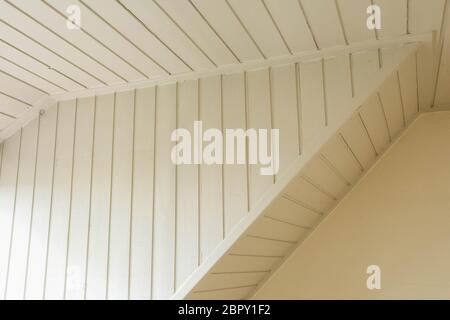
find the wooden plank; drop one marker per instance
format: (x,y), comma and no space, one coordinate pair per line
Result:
(358,142)
(36,28)
(292,24)
(146,14)
(313,113)
(268,227)
(97,254)
(239,263)
(354,20)
(41,205)
(217,281)
(426,16)
(293,212)
(338,89)
(373,119)
(5,121)
(211,180)
(259,112)
(133,63)
(20,90)
(408,87)
(221,18)
(320,173)
(55,272)
(235,176)
(81,200)
(339,156)
(326,34)
(142,213)
(22,213)
(254,16)
(12,107)
(37,67)
(284,106)
(392,105)
(8,186)
(199,31)
(259,246)
(187,237)
(163,282)
(227,294)
(28,77)
(365,67)
(394,18)
(121,196)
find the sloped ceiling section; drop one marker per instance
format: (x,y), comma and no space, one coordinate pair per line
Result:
(126,43)
(332,159)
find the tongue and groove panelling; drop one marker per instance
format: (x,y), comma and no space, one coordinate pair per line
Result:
(91,206)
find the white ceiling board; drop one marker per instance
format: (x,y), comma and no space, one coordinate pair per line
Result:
(221,18)
(354,19)
(292,24)
(257,20)
(17,88)
(392,105)
(155,20)
(11,106)
(442,91)
(186,16)
(393,18)
(373,119)
(323,18)
(24,75)
(5,120)
(36,50)
(24,20)
(38,67)
(126,55)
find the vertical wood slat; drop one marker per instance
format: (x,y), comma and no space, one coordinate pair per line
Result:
(164,205)
(118,264)
(8,180)
(22,212)
(187,236)
(34,284)
(60,208)
(80,209)
(97,251)
(211,208)
(141,223)
(234,117)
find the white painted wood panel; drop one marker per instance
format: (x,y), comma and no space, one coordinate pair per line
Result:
(185,56)
(259,110)
(121,196)
(55,272)
(8,188)
(221,18)
(254,16)
(43,193)
(187,236)
(23,212)
(393,105)
(408,87)
(284,109)
(97,254)
(326,34)
(142,200)
(354,20)
(211,179)
(373,118)
(235,177)
(292,24)
(200,32)
(163,272)
(81,200)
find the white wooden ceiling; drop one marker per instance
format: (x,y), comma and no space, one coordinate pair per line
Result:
(126,42)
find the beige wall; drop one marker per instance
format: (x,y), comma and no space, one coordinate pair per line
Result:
(397,217)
